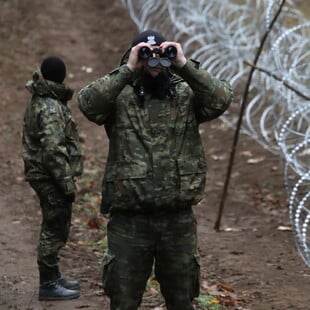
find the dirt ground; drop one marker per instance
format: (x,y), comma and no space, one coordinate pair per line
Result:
(250,264)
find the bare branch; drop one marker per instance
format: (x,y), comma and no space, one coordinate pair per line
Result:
(278,79)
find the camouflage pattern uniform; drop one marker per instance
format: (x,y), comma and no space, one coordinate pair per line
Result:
(155,173)
(52,157)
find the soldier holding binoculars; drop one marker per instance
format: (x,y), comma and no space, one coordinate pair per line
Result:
(151,107)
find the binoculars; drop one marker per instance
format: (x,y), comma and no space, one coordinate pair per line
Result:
(164,56)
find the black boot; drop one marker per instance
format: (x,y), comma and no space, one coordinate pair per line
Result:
(65,282)
(51,289)
(69,284)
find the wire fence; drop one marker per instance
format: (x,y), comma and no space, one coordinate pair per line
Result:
(224,36)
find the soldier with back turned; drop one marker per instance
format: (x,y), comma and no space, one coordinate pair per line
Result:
(52,159)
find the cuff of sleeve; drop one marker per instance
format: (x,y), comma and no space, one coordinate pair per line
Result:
(126,73)
(188,69)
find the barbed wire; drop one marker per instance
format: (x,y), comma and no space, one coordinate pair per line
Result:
(224,36)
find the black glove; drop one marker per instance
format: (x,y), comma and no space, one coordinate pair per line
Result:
(70,197)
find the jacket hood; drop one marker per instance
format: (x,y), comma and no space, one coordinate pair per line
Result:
(44,88)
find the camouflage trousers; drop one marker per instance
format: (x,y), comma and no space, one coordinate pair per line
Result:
(139,242)
(55,224)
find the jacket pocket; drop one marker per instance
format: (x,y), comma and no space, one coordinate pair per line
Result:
(126,170)
(125,183)
(192,178)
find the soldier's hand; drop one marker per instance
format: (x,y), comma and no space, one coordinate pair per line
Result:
(180,60)
(134,63)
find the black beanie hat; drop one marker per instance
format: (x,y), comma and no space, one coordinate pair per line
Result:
(148,36)
(53,69)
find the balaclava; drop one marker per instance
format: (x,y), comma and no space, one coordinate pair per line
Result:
(53,69)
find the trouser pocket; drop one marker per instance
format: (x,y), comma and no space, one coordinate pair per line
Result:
(109,282)
(196,276)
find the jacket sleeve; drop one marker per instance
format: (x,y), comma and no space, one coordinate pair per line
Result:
(96,101)
(55,157)
(212,96)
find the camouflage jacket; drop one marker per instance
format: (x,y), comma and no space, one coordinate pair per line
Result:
(156,157)
(51,148)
